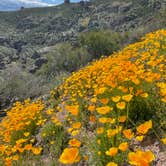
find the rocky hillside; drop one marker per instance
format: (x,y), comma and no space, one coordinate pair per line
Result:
(41,46)
(24,32)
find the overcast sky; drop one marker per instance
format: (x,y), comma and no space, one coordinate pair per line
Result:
(44,1)
(39,2)
(16,4)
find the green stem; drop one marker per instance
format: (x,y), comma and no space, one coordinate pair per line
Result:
(132,122)
(127,115)
(156,135)
(115,137)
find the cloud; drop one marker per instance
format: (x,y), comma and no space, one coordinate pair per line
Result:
(34,2)
(8,5)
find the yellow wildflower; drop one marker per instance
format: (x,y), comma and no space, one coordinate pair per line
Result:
(104,100)
(140,138)
(116,99)
(49,111)
(127,98)
(99,142)
(36,151)
(111,164)
(99,153)
(100,130)
(70,156)
(143,128)
(74,142)
(121,105)
(74,109)
(104,110)
(122,119)
(112,132)
(91,108)
(163,140)
(92,118)
(112,151)
(52,142)
(75,132)
(26,134)
(15,157)
(76,125)
(128,133)
(123,146)
(145,95)
(140,158)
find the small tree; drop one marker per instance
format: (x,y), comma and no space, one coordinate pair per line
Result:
(103,42)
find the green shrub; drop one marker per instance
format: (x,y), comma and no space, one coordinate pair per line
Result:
(54,139)
(103,42)
(17,84)
(64,58)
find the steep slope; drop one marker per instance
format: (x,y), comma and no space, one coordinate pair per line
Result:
(29,35)
(47,26)
(101,115)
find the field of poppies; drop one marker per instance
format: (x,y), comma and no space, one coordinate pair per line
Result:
(102,115)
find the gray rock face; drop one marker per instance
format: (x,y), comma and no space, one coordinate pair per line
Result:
(2,66)
(4,40)
(33,69)
(35,55)
(18,45)
(39,62)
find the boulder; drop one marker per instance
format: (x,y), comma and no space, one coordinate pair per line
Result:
(2,65)
(36,55)
(39,62)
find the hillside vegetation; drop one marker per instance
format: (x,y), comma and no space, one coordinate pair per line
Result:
(108,113)
(40,46)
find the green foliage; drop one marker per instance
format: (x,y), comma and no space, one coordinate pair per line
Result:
(19,84)
(71,59)
(7,52)
(158,110)
(65,58)
(101,42)
(54,139)
(140,110)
